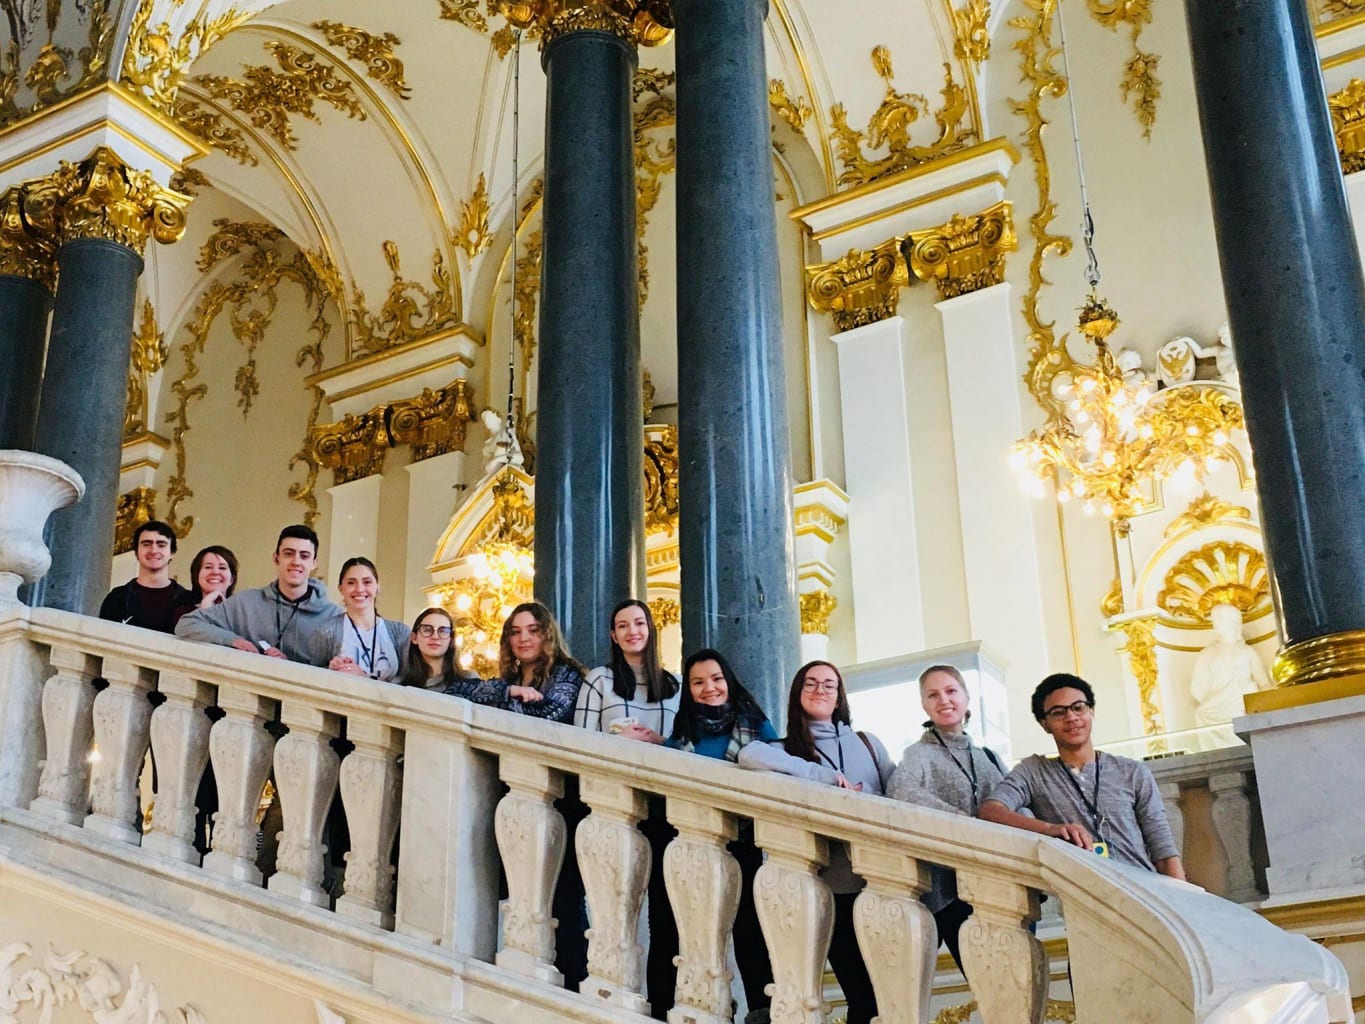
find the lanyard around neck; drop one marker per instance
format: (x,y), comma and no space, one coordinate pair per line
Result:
(971,762)
(367,654)
(1093,806)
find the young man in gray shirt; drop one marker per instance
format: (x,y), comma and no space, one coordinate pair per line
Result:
(1100,802)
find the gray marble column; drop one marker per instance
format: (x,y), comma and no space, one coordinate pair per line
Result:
(589,545)
(1296,298)
(24,306)
(735,500)
(80,414)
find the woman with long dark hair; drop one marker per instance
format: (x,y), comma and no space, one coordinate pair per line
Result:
(360,642)
(632,695)
(717,717)
(432,659)
(822,745)
(945,770)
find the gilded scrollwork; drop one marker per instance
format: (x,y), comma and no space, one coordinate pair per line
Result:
(473,234)
(654,156)
(148,356)
(1348,125)
(213,128)
(971,31)
(859,288)
(1140,646)
(525,296)
(54,64)
(1204,510)
(434,422)
(889,128)
(354,447)
(816,608)
(157,57)
(410,310)
(666,611)
(25,250)
(269,98)
(136,507)
(190,180)
(792,109)
(640,22)
(661,480)
(374,51)
(966,254)
(1139,80)
(1221,572)
(464,12)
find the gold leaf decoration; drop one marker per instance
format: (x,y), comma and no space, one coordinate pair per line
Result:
(9,85)
(971,31)
(1139,80)
(816,608)
(1205,510)
(231,237)
(410,310)
(1348,125)
(473,234)
(1140,646)
(354,447)
(966,254)
(795,111)
(54,65)
(1058,1010)
(525,295)
(654,156)
(889,128)
(213,128)
(434,422)
(189,180)
(268,98)
(136,507)
(1341,8)
(1223,572)
(148,356)
(464,12)
(49,68)
(860,287)
(666,611)
(156,59)
(375,52)
(661,480)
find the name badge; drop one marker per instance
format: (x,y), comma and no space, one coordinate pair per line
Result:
(1101,848)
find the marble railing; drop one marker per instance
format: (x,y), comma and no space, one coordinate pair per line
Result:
(438,793)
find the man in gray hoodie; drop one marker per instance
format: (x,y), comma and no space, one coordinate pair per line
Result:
(277,620)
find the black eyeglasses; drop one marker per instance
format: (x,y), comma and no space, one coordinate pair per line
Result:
(425,630)
(1081,707)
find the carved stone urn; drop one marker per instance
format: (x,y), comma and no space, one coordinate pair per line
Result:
(32,487)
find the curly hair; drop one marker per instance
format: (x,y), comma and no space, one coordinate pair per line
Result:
(554,652)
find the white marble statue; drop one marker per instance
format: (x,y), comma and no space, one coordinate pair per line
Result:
(1223,354)
(1224,671)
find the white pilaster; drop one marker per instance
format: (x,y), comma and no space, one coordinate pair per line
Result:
(432,497)
(1005,593)
(887,598)
(355,520)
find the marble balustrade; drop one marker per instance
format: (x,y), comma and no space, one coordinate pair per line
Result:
(438,793)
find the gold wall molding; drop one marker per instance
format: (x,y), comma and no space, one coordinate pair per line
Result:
(638,22)
(971,31)
(102,197)
(792,109)
(860,287)
(661,481)
(816,608)
(473,234)
(80,984)
(1204,511)
(354,447)
(666,611)
(1139,81)
(54,64)
(149,352)
(214,129)
(434,422)
(889,128)
(411,311)
(136,507)
(375,52)
(1348,125)
(654,156)
(525,296)
(1140,646)
(25,250)
(1222,572)
(966,254)
(156,58)
(269,98)
(190,180)
(250,298)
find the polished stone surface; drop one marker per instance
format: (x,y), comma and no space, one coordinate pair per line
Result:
(1296,298)
(589,543)
(80,414)
(24,306)
(735,504)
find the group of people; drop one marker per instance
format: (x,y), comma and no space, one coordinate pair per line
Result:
(1099,802)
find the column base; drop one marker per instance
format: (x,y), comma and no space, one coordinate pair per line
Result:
(364,912)
(112,828)
(238,869)
(305,892)
(54,811)
(524,963)
(169,846)
(610,992)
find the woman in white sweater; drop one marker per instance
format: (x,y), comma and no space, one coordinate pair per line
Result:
(945,770)
(822,745)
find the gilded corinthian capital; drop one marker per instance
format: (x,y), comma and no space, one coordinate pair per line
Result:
(24,250)
(966,254)
(639,22)
(861,287)
(102,197)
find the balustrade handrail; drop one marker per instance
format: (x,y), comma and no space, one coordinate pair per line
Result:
(1208,949)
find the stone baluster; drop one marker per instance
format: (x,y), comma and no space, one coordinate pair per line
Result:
(614,859)
(531,836)
(896,933)
(1232,821)
(1175,815)
(180,744)
(1004,963)
(23,667)
(306,769)
(703,889)
(796,910)
(371,788)
(240,749)
(122,716)
(64,786)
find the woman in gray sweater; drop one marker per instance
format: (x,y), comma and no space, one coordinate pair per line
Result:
(821,745)
(945,770)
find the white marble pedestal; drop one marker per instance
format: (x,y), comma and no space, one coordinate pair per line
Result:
(1310,761)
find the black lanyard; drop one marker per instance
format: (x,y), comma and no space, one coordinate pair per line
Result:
(839,748)
(366,653)
(971,761)
(1093,806)
(293,610)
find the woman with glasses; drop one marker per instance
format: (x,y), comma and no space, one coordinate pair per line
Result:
(945,770)
(432,659)
(821,745)
(359,642)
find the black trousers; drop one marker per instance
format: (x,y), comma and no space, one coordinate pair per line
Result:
(949,920)
(846,960)
(570,903)
(751,950)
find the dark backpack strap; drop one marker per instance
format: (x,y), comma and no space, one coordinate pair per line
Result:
(995,759)
(868,744)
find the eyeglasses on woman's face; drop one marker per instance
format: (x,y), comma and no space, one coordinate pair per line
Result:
(426,630)
(820,686)
(1061,711)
